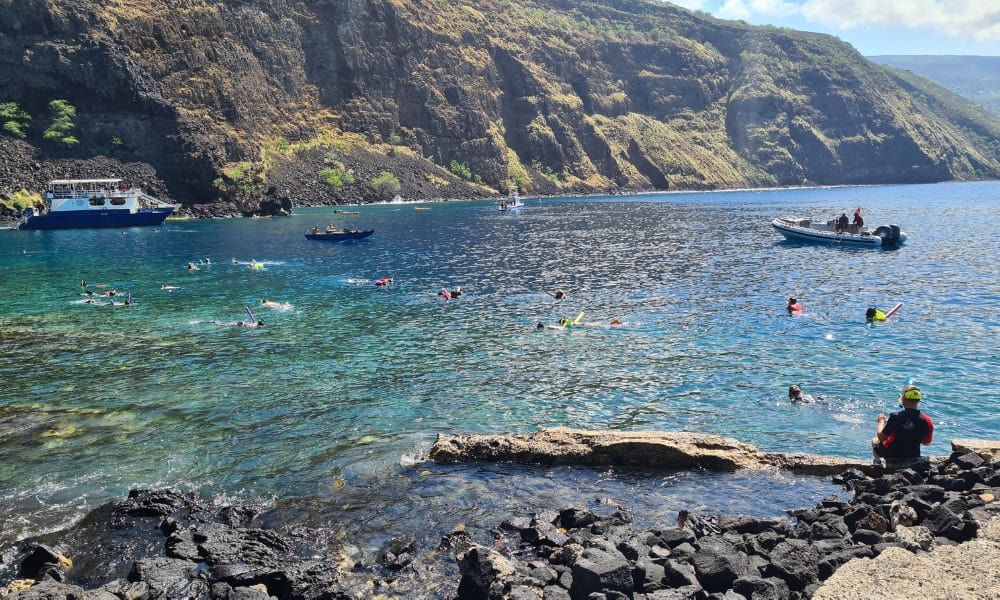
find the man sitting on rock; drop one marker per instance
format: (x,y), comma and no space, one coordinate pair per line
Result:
(901,434)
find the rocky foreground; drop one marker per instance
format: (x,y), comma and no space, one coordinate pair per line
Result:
(932,529)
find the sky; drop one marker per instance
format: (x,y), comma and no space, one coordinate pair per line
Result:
(877,27)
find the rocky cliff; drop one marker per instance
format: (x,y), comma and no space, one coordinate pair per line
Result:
(261,103)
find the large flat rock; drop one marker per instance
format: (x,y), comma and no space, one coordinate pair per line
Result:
(988,449)
(638,449)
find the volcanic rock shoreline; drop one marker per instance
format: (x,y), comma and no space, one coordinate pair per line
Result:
(940,514)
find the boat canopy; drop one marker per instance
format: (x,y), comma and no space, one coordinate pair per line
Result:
(84,181)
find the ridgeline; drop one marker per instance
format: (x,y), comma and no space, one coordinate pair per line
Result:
(248,106)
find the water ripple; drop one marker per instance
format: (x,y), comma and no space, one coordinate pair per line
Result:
(354,376)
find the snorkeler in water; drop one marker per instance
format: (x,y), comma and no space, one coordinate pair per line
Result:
(245,324)
(276,305)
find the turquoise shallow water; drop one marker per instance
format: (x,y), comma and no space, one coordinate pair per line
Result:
(330,403)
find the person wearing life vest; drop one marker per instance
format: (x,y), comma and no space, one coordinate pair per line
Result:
(874,315)
(859,221)
(902,434)
(793,306)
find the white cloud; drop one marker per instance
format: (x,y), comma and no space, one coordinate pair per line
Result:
(743,9)
(977,19)
(691,4)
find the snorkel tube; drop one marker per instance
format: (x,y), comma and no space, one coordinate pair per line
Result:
(909,382)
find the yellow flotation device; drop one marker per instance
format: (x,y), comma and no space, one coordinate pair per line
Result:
(568,322)
(873,314)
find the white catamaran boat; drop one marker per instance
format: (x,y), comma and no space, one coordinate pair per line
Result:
(83,203)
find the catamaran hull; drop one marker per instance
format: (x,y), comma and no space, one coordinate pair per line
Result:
(87,219)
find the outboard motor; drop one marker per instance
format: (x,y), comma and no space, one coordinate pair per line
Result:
(889,234)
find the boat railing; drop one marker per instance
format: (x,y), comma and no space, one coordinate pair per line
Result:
(25,216)
(147,201)
(62,193)
(65,193)
(144,199)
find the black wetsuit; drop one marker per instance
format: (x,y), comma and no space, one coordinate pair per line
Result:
(907,429)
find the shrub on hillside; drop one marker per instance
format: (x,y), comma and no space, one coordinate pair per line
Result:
(15,120)
(21,200)
(386,184)
(60,131)
(337,177)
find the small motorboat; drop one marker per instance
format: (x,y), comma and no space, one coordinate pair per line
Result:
(828,232)
(511,202)
(339,234)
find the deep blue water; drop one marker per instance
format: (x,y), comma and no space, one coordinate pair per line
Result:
(327,409)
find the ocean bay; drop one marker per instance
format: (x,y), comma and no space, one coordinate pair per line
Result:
(336,398)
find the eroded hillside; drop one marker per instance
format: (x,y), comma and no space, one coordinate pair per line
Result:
(315,101)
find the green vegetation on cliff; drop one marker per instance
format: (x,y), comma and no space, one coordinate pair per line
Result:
(20,200)
(337,177)
(387,185)
(552,95)
(60,130)
(15,120)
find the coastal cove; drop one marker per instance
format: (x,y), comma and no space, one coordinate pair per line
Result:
(327,411)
